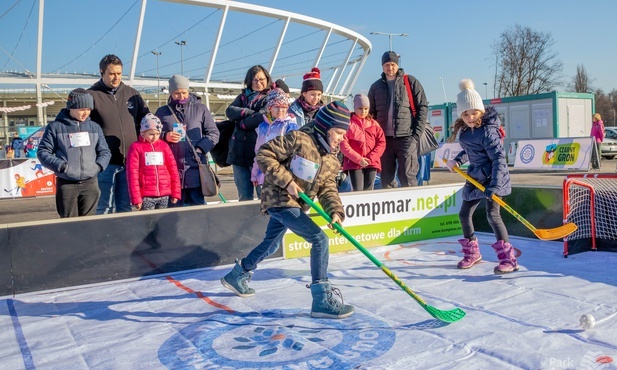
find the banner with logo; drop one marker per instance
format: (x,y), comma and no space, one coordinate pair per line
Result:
(25,178)
(389,217)
(554,154)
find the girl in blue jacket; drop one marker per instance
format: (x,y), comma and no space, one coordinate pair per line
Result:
(482,148)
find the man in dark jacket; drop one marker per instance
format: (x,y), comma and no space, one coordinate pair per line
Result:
(118,109)
(391,107)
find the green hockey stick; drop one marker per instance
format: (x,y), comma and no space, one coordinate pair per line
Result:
(542,234)
(445,316)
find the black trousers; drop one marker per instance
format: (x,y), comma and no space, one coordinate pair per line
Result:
(492,215)
(77,198)
(363,179)
(400,158)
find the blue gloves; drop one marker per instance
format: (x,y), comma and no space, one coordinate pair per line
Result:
(489,191)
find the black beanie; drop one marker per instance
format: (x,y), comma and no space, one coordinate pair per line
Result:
(389,56)
(79,99)
(282,85)
(312,81)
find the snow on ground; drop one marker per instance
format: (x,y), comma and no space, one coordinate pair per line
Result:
(525,320)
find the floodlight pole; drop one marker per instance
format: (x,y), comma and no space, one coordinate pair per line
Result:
(158,80)
(389,36)
(181,43)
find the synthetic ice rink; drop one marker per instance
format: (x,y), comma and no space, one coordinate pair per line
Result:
(525,320)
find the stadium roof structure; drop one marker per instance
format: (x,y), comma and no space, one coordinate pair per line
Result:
(214,52)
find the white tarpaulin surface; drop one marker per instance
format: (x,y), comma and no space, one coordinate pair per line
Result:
(526,320)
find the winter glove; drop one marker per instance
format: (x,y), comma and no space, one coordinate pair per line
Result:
(489,191)
(451,164)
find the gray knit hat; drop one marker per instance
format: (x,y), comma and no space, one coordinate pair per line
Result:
(178,82)
(468,98)
(389,56)
(361,100)
(79,99)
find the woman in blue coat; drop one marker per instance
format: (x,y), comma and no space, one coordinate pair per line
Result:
(185,119)
(482,148)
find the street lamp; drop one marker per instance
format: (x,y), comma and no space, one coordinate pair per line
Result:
(485,90)
(158,80)
(181,43)
(389,36)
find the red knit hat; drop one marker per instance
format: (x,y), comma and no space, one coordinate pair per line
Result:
(312,81)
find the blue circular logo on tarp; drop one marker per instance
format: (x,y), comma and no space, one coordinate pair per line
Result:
(527,153)
(277,339)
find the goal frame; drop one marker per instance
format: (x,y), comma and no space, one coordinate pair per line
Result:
(576,179)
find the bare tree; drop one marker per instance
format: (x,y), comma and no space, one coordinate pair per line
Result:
(581,82)
(525,62)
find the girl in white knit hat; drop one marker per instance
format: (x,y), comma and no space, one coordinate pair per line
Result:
(480,139)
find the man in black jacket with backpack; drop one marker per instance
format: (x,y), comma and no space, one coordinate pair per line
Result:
(401,119)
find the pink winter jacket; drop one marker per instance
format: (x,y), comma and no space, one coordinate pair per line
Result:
(153,180)
(597,131)
(364,139)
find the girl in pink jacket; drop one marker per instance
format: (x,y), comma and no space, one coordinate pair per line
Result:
(151,169)
(597,133)
(363,146)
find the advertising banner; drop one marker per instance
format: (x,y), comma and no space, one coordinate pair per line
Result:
(382,218)
(25,178)
(554,154)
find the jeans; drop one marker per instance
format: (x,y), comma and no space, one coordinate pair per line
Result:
(114,191)
(242,179)
(493,216)
(190,197)
(294,219)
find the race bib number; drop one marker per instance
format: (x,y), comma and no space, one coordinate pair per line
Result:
(78,139)
(154,158)
(303,168)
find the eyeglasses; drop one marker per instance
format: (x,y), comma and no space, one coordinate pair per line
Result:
(258,80)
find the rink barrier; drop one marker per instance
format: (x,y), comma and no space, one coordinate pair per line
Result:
(56,254)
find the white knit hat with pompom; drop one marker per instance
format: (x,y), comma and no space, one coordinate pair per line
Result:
(468,98)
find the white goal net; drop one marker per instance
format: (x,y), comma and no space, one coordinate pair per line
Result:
(590,202)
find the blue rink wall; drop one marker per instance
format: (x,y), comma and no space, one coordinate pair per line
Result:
(62,253)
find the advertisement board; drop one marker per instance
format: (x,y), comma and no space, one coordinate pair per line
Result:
(388,217)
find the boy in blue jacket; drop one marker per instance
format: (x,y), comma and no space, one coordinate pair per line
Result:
(74,147)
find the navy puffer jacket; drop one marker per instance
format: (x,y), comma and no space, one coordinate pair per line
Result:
(483,150)
(200,129)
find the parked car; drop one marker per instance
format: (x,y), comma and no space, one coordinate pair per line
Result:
(608,148)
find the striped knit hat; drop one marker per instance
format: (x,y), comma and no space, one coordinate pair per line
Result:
(333,115)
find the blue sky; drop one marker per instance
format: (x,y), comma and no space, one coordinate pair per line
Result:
(448,40)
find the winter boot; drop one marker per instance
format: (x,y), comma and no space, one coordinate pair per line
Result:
(237,281)
(471,253)
(507,261)
(325,305)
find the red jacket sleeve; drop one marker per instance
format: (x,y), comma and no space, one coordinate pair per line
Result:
(132,174)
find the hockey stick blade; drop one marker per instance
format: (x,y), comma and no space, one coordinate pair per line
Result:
(445,316)
(542,234)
